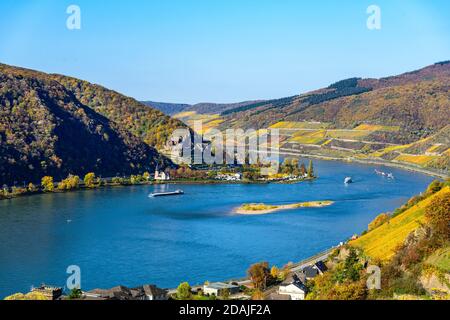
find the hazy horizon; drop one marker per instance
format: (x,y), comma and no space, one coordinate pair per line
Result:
(223,52)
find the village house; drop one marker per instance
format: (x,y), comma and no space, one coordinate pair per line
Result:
(161,175)
(313,271)
(296,290)
(218,288)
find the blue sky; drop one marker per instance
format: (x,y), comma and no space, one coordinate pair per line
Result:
(223,50)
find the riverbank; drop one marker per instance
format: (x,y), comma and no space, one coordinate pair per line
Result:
(17,192)
(261,208)
(411,168)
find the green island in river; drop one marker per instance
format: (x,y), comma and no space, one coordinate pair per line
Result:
(261,208)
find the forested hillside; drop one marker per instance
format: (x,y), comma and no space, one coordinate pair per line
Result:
(54,125)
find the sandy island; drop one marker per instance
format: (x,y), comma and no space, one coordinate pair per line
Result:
(261,208)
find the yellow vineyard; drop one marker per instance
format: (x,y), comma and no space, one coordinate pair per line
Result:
(208,121)
(382,241)
(415,159)
(376,127)
(299,125)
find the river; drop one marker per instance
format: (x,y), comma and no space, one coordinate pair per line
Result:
(120,236)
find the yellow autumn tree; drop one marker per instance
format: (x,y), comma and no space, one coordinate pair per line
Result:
(47,184)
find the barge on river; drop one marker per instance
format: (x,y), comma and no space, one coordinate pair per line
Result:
(166,194)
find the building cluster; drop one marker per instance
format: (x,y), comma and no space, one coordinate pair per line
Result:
(229,176)
(49,292)
(289,177)
(146,292)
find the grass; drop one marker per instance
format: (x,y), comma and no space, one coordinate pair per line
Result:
(434,148)
(376,127)
(309,137)
(257,207)
(389,149)
(440,259)
(347,134)
(415,159)
(382,241)
(299,125)
(265,208)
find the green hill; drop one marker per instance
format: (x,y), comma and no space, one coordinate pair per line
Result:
(56,125)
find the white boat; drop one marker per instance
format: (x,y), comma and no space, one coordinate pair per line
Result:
(165,194)
(348,180)
(390,176)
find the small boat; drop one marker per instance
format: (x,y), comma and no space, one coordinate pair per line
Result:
(390,176)
(348,180)
(165,194)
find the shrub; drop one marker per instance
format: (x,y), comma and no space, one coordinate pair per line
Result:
(437,214)
(89,180)
(378,221)
(32,188)
(184,291)
(47,184)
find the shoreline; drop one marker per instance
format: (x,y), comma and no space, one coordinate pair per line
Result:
(373,162)
(107,184)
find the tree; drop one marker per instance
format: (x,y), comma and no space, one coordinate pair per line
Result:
(146,176)
(303,169)
(275,272)
(378,221)
(311,169)
(89,180)
(75,293)
(434,187)
(437,214)
(32,188)
(352,267)
(184,291)
(225,294)
(259,274)
(258,295)
(47,184)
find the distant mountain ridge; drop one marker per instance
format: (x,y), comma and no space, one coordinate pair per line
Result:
(418,101)
(56,125)
(202,108)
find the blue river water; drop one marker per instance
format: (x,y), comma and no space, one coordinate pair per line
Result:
(120,236)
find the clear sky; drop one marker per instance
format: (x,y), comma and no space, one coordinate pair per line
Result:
(223,50)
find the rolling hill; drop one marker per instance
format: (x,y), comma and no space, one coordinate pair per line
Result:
(402,119)
(56,125)
(418,102)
